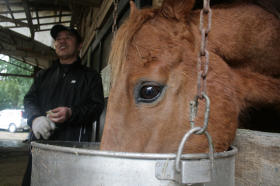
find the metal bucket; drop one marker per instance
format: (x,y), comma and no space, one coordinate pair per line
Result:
(68,163)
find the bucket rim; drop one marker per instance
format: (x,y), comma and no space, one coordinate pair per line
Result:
(129,155)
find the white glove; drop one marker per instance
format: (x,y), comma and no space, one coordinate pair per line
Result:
(42,126)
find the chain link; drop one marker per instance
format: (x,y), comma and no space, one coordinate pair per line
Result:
(203,56)
(115,17)
(202,68)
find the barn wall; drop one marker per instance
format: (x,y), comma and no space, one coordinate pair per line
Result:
(96,29)
(91,21)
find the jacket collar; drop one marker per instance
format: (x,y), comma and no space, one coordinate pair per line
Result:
(75,64)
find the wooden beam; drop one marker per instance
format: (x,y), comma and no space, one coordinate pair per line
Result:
(42,24)
(91,3)
(10,10)
(14,11)
(29,18)
(48,5)
(26,53)
(44,17)
(65,3)
(11,3)
(6,37)
(16,65)
(53,23)
(60,13)
(38,20)
(44,62)
(16,75)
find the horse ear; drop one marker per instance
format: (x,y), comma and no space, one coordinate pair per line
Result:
(178,9)
(133,8)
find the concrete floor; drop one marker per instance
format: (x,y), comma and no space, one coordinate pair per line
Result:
(13,158)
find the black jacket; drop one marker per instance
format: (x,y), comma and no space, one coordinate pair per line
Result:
(74,86)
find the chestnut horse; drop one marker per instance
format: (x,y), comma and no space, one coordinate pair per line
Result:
(154,75)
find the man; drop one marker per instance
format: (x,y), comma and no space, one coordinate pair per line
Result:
(66,98)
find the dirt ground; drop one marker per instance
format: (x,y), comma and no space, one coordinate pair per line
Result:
(13,136)
(13,157)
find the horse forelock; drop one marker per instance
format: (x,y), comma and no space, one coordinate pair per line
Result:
(126,34)
(124,37)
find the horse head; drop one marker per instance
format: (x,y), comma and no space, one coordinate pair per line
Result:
(154,78)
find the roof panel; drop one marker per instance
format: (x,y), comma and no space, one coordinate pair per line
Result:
(7,24)
(45,27)
(22,30)
(13,8)
(47,13)
(3,7)
(19,15)
(6,15)
(66,18)
(48,20)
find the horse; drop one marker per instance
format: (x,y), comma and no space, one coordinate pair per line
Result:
(154,75)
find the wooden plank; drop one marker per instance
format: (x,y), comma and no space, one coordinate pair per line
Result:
(99,17)
(92,3)
(14,11)
(38,20)
(104,30)
(16,75)
(42,24)
(258,158)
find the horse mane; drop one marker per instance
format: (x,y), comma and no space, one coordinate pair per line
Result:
(124,37)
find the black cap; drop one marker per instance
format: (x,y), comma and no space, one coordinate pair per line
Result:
(58,28)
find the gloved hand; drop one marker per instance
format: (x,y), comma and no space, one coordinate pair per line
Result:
(42,126)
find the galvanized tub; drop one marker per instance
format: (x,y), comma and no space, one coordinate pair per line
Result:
(68,163)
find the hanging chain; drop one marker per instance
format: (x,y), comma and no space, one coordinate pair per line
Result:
(202,68)
(115,17)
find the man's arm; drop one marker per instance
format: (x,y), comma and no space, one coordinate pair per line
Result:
(31,102)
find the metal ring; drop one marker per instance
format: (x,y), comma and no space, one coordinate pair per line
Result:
(194,105)
(181,147)
(206,114)
(182,143)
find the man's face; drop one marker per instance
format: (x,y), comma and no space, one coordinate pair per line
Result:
(66,45)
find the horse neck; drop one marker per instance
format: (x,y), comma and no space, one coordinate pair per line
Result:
(246,36)
(254,88)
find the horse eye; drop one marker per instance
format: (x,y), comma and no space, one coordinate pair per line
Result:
(148,92)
